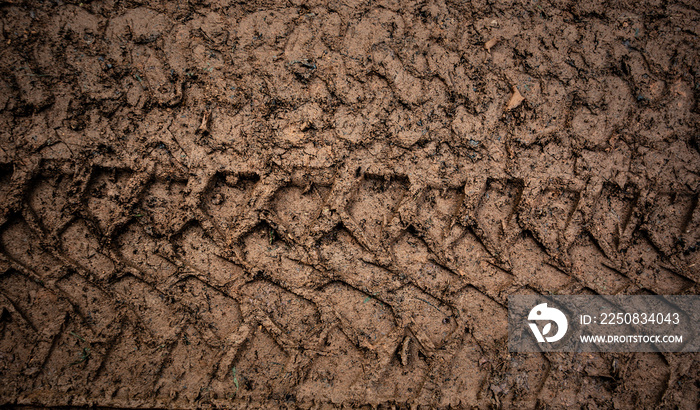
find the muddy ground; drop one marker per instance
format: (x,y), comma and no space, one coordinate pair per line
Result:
(314,204)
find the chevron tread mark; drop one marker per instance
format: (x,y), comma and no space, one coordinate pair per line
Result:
(317,205)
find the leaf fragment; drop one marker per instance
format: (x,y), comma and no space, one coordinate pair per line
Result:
(515,100)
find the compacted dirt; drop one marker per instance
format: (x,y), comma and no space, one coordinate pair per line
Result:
(309,203)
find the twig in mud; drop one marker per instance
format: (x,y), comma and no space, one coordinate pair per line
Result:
(436,308)
(204,125)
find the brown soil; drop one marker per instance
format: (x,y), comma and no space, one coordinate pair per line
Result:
(302,204)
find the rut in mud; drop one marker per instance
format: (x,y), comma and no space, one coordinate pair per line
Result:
(306,203)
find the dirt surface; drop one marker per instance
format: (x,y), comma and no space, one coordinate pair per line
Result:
(309,203)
